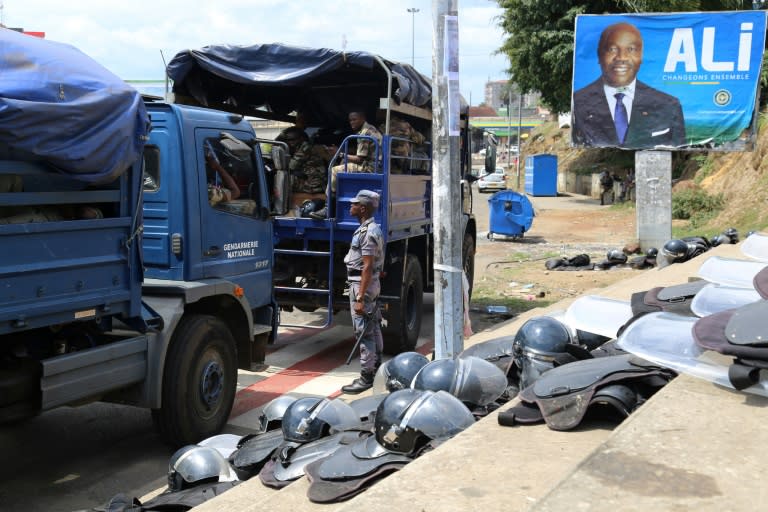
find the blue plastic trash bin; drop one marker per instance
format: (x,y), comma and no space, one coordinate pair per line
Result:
(511,214)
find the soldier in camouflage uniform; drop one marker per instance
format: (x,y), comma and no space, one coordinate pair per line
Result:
(364,159)
(401,149)
(309,162)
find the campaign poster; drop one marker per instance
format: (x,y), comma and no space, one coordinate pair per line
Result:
(674,81)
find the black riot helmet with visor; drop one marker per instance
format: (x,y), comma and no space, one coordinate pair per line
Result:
(408,419)
(474,381)
(398,372)
(540,344)
(310,418)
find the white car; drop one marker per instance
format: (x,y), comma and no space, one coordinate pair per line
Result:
(494,181)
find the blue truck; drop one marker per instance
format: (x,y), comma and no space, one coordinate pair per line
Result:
(120,281)
(320,86)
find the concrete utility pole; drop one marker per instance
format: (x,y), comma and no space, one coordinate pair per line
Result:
(446,184)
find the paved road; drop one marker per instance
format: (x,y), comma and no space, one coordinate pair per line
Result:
(76,458)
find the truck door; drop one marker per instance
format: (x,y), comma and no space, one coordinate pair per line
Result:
(235,233)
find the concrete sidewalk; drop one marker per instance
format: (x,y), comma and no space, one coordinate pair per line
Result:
(693,446)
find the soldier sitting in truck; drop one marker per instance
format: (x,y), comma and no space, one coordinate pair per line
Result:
(364,159)
(402,150)
(40,213)
(309,162)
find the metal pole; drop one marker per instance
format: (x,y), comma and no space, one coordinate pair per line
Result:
(413,11)
(446,182)
(519,127)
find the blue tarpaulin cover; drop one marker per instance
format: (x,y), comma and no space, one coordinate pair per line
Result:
(322,83)
(60,106)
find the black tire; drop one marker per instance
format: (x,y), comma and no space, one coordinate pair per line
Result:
(468,260)
(404,316)
(199,381)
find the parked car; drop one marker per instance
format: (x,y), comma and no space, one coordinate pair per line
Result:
(496,180)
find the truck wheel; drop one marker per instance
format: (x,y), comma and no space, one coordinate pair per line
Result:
(199,381)
(404,315)
(468,257)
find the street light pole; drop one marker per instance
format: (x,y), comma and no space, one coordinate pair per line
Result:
(413,11)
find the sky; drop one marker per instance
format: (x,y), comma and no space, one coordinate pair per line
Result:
(131,37)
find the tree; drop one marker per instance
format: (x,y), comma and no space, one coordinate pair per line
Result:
(539,38)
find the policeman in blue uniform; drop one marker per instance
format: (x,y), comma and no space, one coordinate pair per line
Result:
(364,262)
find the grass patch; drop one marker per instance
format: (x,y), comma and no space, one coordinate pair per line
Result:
(706,167)
(696,206)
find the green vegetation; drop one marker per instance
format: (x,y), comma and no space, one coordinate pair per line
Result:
(706,166)
(696,206)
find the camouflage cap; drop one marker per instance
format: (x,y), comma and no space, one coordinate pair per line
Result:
(367,197)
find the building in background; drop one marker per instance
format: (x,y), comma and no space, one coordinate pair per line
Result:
(503,114)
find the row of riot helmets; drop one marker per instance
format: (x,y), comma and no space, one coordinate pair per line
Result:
(344,447)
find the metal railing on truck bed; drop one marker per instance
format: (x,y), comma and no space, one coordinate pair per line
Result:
(404,212)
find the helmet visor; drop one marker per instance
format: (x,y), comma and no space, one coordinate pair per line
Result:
(338,414)
(478,381)
(437,415)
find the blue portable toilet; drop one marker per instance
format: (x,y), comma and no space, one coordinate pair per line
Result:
(541,175)
(511,214)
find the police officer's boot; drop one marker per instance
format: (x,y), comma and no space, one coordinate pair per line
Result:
(360,384)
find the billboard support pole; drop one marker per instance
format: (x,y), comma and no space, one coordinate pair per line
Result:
(653,192)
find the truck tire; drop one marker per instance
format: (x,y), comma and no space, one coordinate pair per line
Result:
(468,260)
(404,316)
(199,381)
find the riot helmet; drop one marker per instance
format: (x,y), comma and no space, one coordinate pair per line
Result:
(311,418)
(478,382)
(272,414)
(616,256)
(673,251)
(538,344)
(652,252)
(193,464)
(732,234)
(311,205)
(398,372)
(719,240)
(437,375)
(407,419)
(473,380)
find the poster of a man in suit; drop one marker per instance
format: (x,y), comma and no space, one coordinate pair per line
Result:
(619,110)
(687,80)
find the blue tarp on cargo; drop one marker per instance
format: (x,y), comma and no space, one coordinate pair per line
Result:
(324,84)
(59,105)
